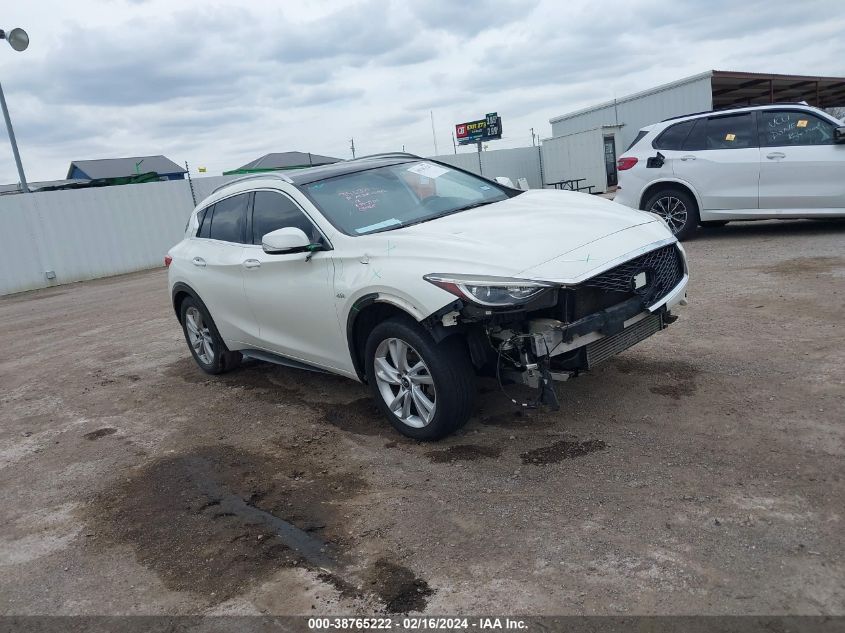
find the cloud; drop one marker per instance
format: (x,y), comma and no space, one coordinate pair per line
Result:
(219,84)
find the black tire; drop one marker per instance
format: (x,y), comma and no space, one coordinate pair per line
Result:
(661,199)
(447,363)
(221,359)
(713,224)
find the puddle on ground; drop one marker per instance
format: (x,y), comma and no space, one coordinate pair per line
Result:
(805,266)
(464,453)
(676,379)
(564,449)
(398,587)
(95,435)
(219,519)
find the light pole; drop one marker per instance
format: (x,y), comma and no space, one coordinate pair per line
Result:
(18,40)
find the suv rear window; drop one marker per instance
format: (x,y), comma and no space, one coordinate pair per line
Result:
(734,131)
(673,137)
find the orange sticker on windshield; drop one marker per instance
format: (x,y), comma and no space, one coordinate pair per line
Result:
(802,123)
(730,137)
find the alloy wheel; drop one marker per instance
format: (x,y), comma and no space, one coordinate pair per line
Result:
(405,383)
(671,209)
(199,335)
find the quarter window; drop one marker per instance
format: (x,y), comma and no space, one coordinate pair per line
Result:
(204,221)
(779,129)
(637,138)
(228,222)
(735,131)
(273,211)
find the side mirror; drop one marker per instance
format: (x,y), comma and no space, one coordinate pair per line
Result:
(839,134)
(286,240)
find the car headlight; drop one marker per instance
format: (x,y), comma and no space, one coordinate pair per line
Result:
(490,291)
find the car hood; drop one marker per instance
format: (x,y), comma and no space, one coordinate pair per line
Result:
(540,234)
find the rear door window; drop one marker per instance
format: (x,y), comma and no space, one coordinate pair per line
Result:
(673,137)
(228,222)
(735,131)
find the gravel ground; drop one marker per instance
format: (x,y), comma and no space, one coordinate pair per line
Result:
(699,472)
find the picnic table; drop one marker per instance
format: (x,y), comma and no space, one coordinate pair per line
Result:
(573,184)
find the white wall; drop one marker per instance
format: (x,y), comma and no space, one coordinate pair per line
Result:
(635,111)
(578,155)
(518,162)
(90,233)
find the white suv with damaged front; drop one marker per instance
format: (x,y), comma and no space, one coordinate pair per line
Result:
(415,277)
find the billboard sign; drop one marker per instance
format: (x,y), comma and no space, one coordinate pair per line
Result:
(487,129)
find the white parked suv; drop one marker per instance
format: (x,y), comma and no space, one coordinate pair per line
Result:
(754,163)
(414,276)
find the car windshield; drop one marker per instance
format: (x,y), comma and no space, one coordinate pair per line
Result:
(387,198)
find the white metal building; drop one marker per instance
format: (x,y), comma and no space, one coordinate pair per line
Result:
(586,143)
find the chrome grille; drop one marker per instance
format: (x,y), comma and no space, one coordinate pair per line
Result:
(663,268)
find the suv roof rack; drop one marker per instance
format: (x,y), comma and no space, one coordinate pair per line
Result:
(387,155)
(259,176)
(739,107)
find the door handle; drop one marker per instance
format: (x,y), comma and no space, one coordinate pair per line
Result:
(252,263)
(198,261)
(688,157)
(775,155)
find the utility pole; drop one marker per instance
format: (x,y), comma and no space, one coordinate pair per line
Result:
(191,184)
(433,135)
(15,153)
(19,41)
(352,142)
(532,137)
(480,171)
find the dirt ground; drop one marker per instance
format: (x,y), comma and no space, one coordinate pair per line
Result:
(700,472)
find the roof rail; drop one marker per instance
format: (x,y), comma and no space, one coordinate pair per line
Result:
(739,107)
(260,176)
(386,155)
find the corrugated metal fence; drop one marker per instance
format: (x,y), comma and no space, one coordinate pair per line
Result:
(90,233)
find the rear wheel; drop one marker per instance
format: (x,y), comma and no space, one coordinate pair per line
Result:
(207,348)
(677,208)
(425,389)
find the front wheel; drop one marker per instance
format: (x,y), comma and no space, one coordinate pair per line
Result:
(425,389)
(677,208)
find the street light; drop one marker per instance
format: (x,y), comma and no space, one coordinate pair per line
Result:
(18,40)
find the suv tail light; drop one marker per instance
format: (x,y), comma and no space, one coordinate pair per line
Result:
(626,162)
(167,260)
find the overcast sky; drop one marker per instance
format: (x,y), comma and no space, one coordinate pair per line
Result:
(218,84)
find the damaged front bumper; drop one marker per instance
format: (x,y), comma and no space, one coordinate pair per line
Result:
(554,338)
